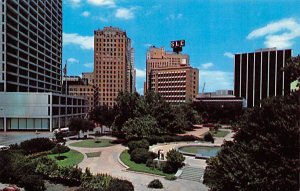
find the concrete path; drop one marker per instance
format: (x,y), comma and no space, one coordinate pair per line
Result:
(108,163)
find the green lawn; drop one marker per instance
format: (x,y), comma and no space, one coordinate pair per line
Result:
(94,154)
(125,158)
(72,158)
(91,143)
(219,133)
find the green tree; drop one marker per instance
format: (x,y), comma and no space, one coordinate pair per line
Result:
(185,118)
(175,158)
(158,108)
(129,105)
(140,127)
(103,115)
(265,152)
(292,69)
(79,124)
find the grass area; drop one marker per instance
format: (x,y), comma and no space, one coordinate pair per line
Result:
(94,154)
(195,149)
(72,158)
(125,158)
(93,143)
(219,133)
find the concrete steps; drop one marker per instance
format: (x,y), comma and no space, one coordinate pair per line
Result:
(192,174)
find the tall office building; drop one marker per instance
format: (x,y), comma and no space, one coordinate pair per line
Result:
(258,75)
(171,75)
(30,67)
(31,46)
(113,64)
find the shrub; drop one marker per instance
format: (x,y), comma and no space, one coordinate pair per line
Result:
(168,168)
(188,138)
(60,149)
(208,137)
(170,177)
(150,163)
(168,138)
(65,175)
(156,183)
(132,145)
(32,183)
(155,139)
(174,161)
(120,185)
(139,155)
(14,147)
(97,182)
(175,157)
(37,145)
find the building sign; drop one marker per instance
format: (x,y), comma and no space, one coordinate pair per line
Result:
(177,45)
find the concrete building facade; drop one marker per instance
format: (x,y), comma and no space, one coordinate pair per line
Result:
(171,75)
(31,36)
(113,64)
(38,111)
(30,66)
(259,75)
(83,87)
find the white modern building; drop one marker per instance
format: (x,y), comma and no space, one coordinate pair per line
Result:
(43,111)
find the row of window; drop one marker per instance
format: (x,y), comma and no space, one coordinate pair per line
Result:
(108,40)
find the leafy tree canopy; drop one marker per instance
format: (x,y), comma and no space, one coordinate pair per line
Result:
(79,124)
(265,152)
(140,127)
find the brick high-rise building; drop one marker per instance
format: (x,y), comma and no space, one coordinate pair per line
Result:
(259,75)
(113,64)
(171,75)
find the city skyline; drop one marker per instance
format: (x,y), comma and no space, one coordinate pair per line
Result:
(216,31)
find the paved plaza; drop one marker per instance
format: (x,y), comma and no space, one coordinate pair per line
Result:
(109,163)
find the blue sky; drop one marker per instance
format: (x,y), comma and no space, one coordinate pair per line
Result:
(214,30)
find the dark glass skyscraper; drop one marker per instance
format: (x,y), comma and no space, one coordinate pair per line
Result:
(259,75)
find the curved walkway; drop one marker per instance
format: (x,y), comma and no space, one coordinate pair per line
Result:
(108,163)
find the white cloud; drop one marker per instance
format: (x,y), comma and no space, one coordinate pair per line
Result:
(140,73)
(124,13)
(229,54)
(85,42)
(147,45)
(73,3)
(280,34)
(85,14)
(215,80)
(153,9)
(89,65)
(72,60)
(175,16)
(109,3)
(207,65)
(100,18)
